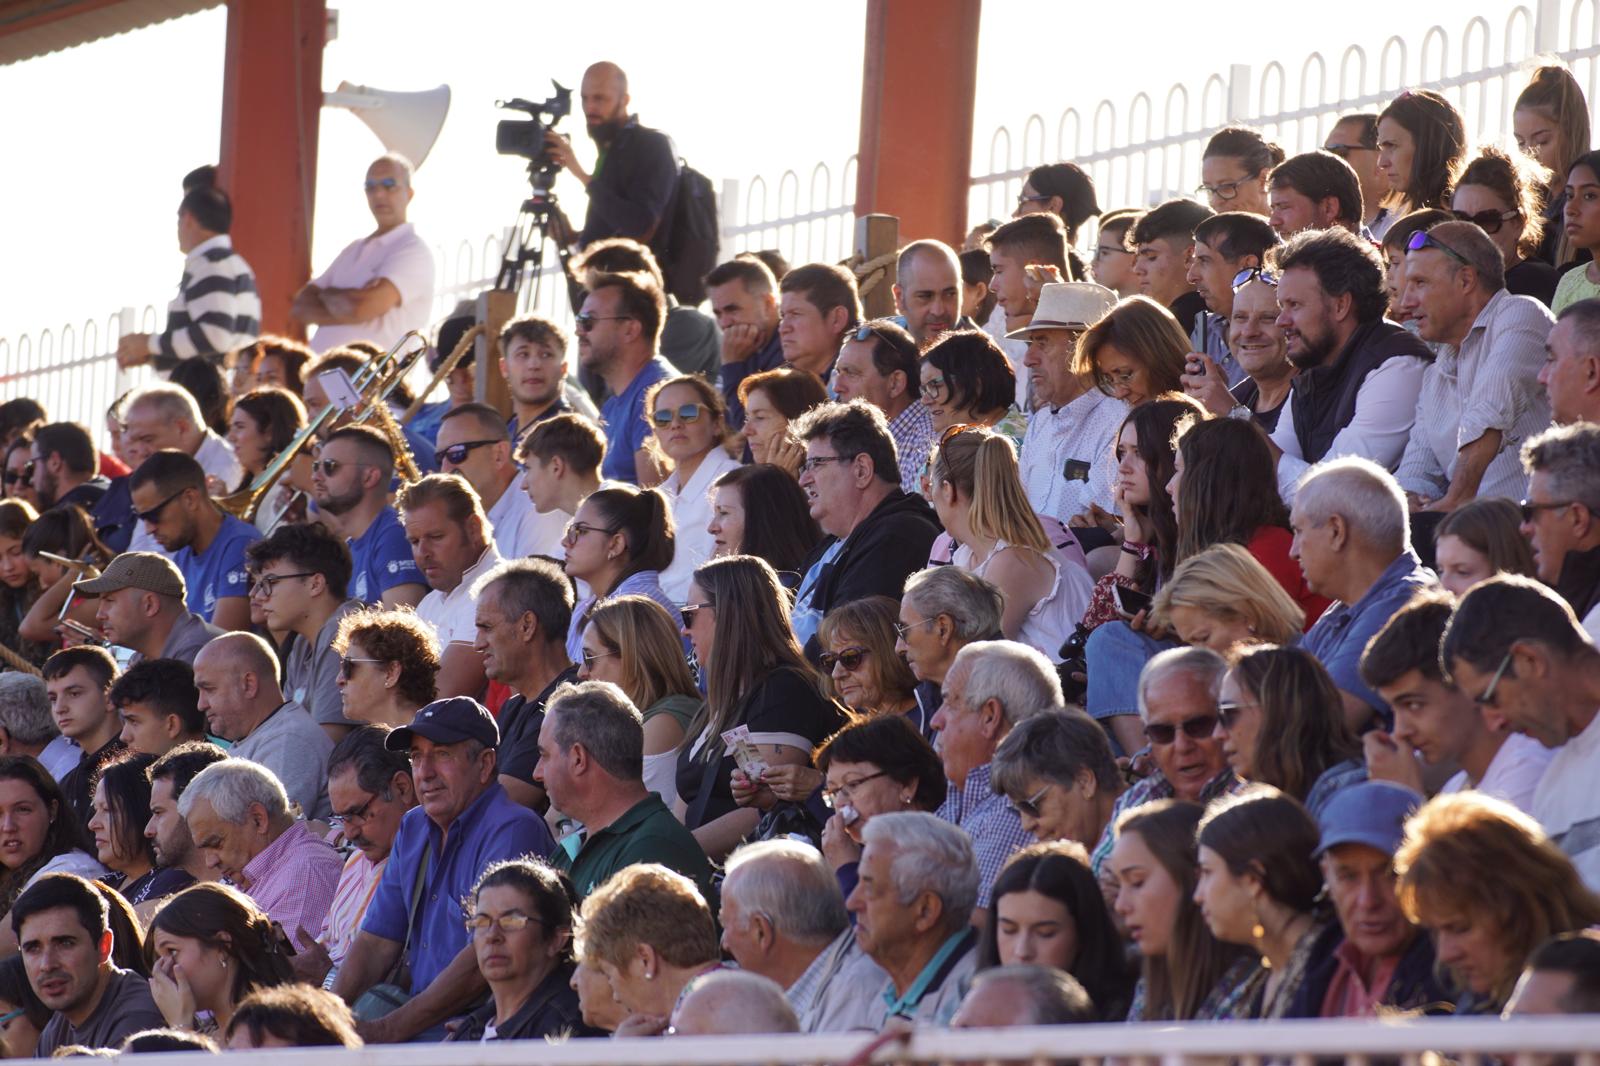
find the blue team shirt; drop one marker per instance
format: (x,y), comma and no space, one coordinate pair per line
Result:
(218,572)
(492,828)
(381,559)
(624,416)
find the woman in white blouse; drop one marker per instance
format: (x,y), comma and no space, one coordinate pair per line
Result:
(687,415)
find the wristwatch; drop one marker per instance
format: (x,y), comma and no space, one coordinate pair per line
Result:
(1241,412)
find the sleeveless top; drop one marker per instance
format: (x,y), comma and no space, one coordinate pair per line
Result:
(1056,613)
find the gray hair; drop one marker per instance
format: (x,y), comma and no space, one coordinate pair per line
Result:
(25,709)
(792,885)
(1055,746)
(1020,678)
(599,716)
(932,248)
(531,586)
(1570,457)
(1043,995)
(930,855)
(1475,246)
(1585,315)
(172,402)
(739,1002)
(232,786)
(1202,663)
(973,604)
(1364,494)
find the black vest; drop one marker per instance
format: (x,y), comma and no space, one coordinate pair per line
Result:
(1324,398)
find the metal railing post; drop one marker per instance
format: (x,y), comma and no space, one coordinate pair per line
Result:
(1238,92)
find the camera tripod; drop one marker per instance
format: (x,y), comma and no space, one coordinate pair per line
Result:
(526,250)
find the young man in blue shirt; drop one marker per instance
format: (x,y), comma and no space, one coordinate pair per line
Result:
(350,483)
(169,497)
(618,330)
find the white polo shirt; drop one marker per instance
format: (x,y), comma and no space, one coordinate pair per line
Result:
(520,530)
(454,614)
(399,256)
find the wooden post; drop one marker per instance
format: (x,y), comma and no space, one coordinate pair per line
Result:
(877,235)
(494,309)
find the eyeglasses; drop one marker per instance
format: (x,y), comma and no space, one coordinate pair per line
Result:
(20,477)
(1343,150)
(359,815)
(1103,250)
(1423,239)
(380,183)
(1228,712)
(585,321)
(1249,274)
(831,797)
(509,922)
(1530,508)
(810,465)
(589,657)
(1029,807)
(1487,697)
(328,467)
(1021,199)
(154,514)
(902,628)
(1488,221)
(849,658)
(457,453)
(936,389)
(347,665)
(1226,190)
(1117,377)
(686,413)
(576,529)
(688,610)
(1165,733)
(266,584)
(10,1016)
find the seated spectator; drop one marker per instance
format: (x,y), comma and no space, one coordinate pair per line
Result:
(237,678)
(619,542)
(692,438)
(1057,770)
(878,363)
(1226,247)
(744,300)
(1163,241)
(121,812)
(452,744)
(1570,374)
(561,457)
(1394,247)
(757,677)
(1032,245)
(20,1036)
(783,919)
(619,329)
(927,291)
(20,588)
(1259,887)
(1113,259)
(1314,190)
(26,727)
(65,467)
(1560,978)
(874,530)
(772,400)
(1561,516)
(758,509)
(264,422)
(649,931)
(1222,598)
(206,543)
(474,443)
(291,1016)
(142,607)
(869,768)
(76,681)
(730,1002)
(167,831)
(350,484)
(966,381)
(302,574)
(975,490)
(1478,540)
(1281,723)
(388,666)
(239,818)
(60,924)
(49,842)
(1501,196)
(1373,959)
(18,480)
(944,609)
(1178,691)
(165,417)
(521,922)
(1021,995)
(1361,374)
(1354,138)
(1486,927)
(65,532)
(1352,538)
(1234,168)
(1048,912)
(914,907)
(860,666)
(158,705)
(992,685)
(689,338)
(1260,355)
(209,947)
(818,305)
(591,761)
(276,361)
(1519,651)
(1435,722)
(654,675)
(1421,143)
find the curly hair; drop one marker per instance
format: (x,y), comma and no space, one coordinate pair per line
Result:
(396,636)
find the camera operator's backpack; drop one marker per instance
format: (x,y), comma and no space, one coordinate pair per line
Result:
(695,237)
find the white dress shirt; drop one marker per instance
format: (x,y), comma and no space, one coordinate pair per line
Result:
(399,256)
(1386,404)
(1083,430)
(454,614)
(691,513)
(520,530)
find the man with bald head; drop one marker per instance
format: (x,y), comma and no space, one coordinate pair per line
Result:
(635,171)
(381,286)
(730,1002)
(927,291)
(236,676)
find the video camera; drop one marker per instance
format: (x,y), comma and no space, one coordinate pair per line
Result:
(525,137)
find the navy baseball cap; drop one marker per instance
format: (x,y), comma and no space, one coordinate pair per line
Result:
(1373,813)
(448,721)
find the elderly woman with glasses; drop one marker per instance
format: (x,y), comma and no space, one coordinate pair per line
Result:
(388,667)
(860,665)
(687,415)
(1058,772)
(1136,352)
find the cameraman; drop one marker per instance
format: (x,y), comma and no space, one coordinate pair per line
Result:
(635,173)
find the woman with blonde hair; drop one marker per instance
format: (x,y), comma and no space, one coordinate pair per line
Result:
(653,674)
(688,417)
(1136,352)
(1551,125)
(1222,598)
(978,494)
(859,664)
(1490,886)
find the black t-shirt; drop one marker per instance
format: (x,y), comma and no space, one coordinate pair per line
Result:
(1533,277)
(520,720)
(1186,308)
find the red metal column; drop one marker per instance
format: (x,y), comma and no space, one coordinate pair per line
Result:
(917,89)
(271,104)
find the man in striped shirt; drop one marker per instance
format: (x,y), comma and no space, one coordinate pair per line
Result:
(217,308)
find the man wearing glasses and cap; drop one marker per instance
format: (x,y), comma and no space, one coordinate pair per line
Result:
(142,607)
(465,822)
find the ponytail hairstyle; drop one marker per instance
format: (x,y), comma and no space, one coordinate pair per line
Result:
(1257,154)
(981,465)
(227,920)
(1520,185)
(1439,140)
(1556,94)
(644,519)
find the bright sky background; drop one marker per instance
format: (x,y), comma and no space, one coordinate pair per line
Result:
(98,137)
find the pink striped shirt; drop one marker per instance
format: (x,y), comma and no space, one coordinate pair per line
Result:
(293,879)
(356,885)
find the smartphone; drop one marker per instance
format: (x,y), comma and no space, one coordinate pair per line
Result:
(1130,601)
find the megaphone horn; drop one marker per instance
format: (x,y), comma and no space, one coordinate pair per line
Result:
(407,123)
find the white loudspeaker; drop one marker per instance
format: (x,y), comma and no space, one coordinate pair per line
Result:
(407,123)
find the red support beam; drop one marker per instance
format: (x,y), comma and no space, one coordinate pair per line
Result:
(921,74)
(271,105)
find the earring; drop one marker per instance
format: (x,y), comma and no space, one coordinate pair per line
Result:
(1259,933)
(224,962)
(905,801)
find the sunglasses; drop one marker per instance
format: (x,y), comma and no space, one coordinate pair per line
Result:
(688,610)
(20,477)
(347,666)
(381,183)
(154,514)
(512,922)
(1228,712)
(1531,508)
(1029,807)
(1343,150)
(1487,698)
(1249,274)
(585,321)
(589,657)
(685,413)
(328,467)
(1423,239)
(849,658)
(457,453)
(1488,221)
(1165,733)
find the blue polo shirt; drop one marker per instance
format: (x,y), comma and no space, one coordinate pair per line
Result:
(491,829)
(218,572)
(624,416)
(381,558)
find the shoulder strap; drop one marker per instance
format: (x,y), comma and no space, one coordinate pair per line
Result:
(411,913)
